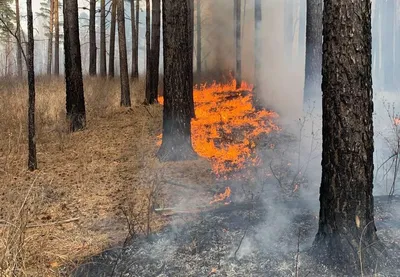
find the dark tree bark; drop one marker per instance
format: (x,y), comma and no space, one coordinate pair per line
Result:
(134,75)
(155,50)
(32,162)
(76,114)
(313,67)
(191,46)
(136,71)
(238,45)
(111,60)
(103,56)
(148,55)
(56,38)
(50,41)
(18,35)
(178,50)
(198,40)
(346,219)
(123,58)
(92,38)
(257,53)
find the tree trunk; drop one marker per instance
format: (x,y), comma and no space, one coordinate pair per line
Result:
(32,162)
(155,50)
(76,114)
(134,39)
(137,40)
(56,38)
(257,53)
(92,38)
(302,28)
(313,67)
(50,41)
(346,219)
(148,54)
(103,57)
(112,39)
(18,34)
(178,50)
(198,40)
(191,46)
(123,58)
(238,70)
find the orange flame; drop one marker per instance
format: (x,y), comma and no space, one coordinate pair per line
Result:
(226,126)
(222,196)
(213,271)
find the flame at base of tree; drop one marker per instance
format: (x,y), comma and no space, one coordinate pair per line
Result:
(226,126)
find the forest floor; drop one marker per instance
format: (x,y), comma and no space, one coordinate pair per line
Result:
(90,185)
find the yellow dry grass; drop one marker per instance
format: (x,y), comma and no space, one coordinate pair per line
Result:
(96,177)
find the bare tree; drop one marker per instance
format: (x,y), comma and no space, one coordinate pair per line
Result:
(112,39)
(32,161)
(257,52)
(92,38)
(103,56)
(178,51)
(123,58)
(155,51)
(238,44)
(134,74)
(50,41)
(18,34)
(56,38)
(148,55)
(76,113)
(347,232)
(198,39)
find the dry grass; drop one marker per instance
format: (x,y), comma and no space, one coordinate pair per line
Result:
(99,175)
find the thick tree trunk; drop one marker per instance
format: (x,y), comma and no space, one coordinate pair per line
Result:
(313,67)
(103,56)
(346,219)
(136,72)
(50,41)
(238,44)
(178,50)
(155,50)
(76,114)
(32,162)
(257,53)
(123,58)
(18,34)
(198,40)
(134,39)
(92,38)
(56,38)
(112,39)
(148,55)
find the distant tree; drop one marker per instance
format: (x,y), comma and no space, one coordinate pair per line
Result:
(149,97)
(18,35)
(50,41)
(92,38)
(136,53)
(32,161)
(75,103)
(313,77)
(103,56)
(198,39)
(123,58)
(257,52)
(238,45)
(178,51)
(56,38)
(155,51)
(347,232)
(112,38)
(134,74)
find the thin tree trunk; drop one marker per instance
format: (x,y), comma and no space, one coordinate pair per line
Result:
(155,50)
(103,57)
(257,52)
(178,51)
(190,64)
(18,34)
(123,58)
(148,55)
(56,38)
(313,66)
(346,220)
(134,39)
(92,38)
(137,40)
(302,28)
(112,39)
(198,40)
(289,29)
(238,70)
(32,161)
(75,102)
(50,41)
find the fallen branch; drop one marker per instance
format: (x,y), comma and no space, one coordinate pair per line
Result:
(4,223)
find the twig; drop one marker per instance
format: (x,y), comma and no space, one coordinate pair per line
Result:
(297,254)
(241,240)
(4,223)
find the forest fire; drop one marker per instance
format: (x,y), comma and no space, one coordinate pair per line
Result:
(226,126)
(222,196)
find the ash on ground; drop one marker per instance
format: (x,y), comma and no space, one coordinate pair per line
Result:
(256,239)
